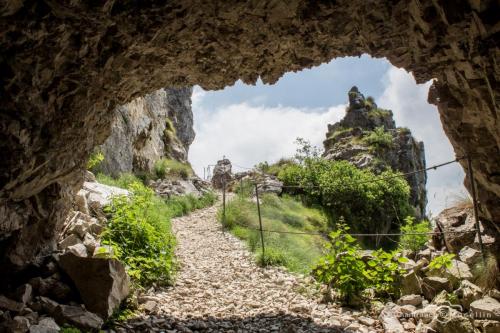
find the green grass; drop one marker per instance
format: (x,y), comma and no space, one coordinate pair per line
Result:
(296,252)
(183,205)
(123,181)
(168,167)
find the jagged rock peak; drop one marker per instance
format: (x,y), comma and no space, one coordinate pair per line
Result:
(368,137)
(147,129)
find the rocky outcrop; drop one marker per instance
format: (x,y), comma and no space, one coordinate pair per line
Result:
(222,174)
(368,138)
(66,65)
(147,129)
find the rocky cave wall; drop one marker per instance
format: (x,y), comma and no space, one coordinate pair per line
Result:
(65,65)
(147,129)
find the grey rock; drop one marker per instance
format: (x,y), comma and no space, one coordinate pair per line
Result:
(81,202)
(426,314)
(100,195)
(102,283)
(414,300)
(222,173)
(469,255)
(147,129)
(389,319)
(70,240)
(89,242)
(411,284)
(78,250)
(449,320)
(24,293)
(45,325)
(10,305)
(457,272)
(77,316)
(486,308)
(468,293)
(433,285)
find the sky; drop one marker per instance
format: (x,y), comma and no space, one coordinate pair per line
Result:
(250,124)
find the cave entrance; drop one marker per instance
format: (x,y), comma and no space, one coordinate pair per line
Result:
(253,124)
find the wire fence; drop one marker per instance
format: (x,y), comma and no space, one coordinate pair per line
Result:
(261,228)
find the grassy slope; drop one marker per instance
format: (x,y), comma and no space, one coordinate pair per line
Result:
(296,252)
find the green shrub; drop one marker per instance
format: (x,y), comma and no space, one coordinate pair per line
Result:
(275,168)
(410,241)
(442,263)
(95,159)
(168,167)
(363,199)
(183,205)
(341,268)
(139,231)
(383,272)
(379,138)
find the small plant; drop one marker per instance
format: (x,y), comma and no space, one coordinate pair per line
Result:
(341,268)
(95,159)
(442,263)
(379,138)
(139,229)
(168,167)
(411,241)
(69,329)
(383,272)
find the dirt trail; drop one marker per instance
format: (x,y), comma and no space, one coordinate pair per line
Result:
(219,288)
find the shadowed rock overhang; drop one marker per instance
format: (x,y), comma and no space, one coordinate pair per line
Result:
(66,64)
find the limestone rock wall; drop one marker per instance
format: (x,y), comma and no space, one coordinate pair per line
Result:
(66,65)
(147,129)
(346,140)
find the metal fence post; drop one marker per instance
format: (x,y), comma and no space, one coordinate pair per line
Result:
(474,202)
(223,202)
(260,223)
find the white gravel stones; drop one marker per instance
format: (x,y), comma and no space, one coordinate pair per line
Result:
(220,287)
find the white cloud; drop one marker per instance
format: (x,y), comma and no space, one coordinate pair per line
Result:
(248,135)
(408,101)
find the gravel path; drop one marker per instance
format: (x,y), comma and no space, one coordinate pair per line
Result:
(219,288)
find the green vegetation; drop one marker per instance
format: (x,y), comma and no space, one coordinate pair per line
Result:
(295,251)
(275,168)
(379,113)
(168,167)
(379,138)
(95,159)
(343,270)
(139,231)
(410,241)
(123,181)
(363,199)
(69,329)
(442,263)
(183,205)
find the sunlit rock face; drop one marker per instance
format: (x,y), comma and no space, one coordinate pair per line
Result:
(158,125)
(66,65)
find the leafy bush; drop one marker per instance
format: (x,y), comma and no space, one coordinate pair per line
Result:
(168,167)
(379,138)
(342,268)
(95,159)
(410,241)
(139,231)
(442,262)
(275,168)
(272,257)
(362,198)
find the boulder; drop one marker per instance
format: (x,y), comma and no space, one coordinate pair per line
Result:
(53,287)
(270,184)
(77,316)
(488,326)
(222,173)
(78,250)
(469,255)
(81,202)
(18,324)
(468,293)
(426,313)
(410,284)
(69,241)
(99,195)
(389,319)
(45,325)
(433,285)
(486,308)
(89,242)
(449,320)
(414,300)
(10,305)
(102,283)
(24,293)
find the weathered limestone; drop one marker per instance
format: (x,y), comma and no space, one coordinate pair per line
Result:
(66,65)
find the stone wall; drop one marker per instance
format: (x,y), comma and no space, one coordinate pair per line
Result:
(66,65)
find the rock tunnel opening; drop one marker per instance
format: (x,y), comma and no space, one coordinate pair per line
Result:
(66,66)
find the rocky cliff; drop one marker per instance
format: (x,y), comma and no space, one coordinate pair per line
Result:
(368,138)
(147,129)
